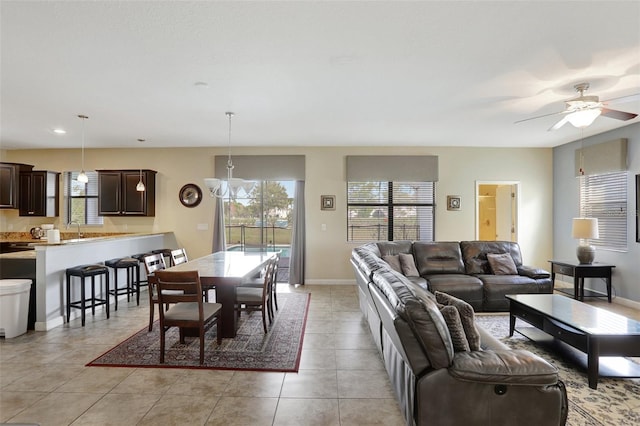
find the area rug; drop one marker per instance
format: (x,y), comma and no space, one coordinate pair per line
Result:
(251,349)
(615,402)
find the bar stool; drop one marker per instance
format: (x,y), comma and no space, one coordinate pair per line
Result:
(166,252)
(132,268)
(84,271)
(140,257)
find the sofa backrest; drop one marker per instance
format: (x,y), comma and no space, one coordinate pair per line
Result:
(474,254)
(391,248)
(438,258)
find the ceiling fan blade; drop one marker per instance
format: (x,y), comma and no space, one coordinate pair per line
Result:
(622,99)
(540,116)
(559,124)
(618,115)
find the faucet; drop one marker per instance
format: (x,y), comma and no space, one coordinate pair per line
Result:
(77,223)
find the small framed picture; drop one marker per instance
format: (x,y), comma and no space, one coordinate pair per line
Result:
(453,202)
(328,202)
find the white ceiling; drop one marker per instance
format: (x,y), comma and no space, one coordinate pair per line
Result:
(305,73)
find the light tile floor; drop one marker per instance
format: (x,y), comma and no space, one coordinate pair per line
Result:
(341,381)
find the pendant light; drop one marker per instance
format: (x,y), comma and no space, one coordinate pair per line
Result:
(140,186)
(82,177)
(233,184)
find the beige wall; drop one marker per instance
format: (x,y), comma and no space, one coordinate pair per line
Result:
(327,251)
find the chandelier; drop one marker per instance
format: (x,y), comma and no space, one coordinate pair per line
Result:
(232,185)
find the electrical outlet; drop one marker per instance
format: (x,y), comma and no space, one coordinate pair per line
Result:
(323,226)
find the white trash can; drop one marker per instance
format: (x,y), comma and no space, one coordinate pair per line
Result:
(14,307)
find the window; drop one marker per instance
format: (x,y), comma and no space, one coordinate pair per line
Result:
(81,199)
(388,211)
(261,220)
(604,197)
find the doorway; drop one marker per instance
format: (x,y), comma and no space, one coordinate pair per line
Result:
(497,210)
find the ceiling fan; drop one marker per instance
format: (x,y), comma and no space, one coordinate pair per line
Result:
(583,110)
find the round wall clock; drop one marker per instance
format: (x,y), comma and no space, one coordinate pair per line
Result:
(190,195)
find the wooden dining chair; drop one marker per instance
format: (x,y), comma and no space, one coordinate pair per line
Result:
(179,256)
(257,299)
(183,291)
(258,281)
(152,264)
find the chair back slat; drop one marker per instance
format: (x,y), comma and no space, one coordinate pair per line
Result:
(153,263)
(179,256)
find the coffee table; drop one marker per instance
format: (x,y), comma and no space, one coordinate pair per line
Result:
(593,331)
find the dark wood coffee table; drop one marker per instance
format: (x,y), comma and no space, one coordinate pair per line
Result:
(593,331)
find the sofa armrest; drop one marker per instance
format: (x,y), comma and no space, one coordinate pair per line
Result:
(534,273)
(517,367)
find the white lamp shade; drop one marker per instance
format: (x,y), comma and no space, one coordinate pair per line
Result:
(585,228)
(212,184)
(584,117)
(82,177)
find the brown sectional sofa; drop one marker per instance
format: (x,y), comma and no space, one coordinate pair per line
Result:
(436,382)
(463,270)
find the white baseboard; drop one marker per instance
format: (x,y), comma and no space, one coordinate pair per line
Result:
(331,282)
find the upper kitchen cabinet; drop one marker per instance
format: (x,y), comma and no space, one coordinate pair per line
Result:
(39,193)
(9,184)
(117,194)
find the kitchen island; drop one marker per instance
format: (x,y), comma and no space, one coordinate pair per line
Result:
(52,259)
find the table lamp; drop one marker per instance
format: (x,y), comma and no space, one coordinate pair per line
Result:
(585,228)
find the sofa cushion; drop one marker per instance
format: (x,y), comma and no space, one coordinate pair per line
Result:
(467,316)
(502,264)
(438,258)
(430,329)
(518,367)
(474,254)
(408,265)
(464,287)
(394,261)
(456,329)
(394,247)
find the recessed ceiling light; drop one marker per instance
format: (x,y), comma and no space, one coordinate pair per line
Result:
(59,131)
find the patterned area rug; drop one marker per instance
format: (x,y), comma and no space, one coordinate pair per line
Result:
(615,402)
(251,349)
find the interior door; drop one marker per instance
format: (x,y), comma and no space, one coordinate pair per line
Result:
(497,210)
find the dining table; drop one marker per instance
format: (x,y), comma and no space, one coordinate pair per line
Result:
(224,271)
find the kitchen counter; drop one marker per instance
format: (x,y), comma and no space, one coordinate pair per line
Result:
(24,254)
(52,260)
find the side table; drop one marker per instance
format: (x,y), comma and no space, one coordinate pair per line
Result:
(580,271)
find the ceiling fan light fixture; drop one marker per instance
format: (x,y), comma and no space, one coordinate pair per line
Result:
(584,118)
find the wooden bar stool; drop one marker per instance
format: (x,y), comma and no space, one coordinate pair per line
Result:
(143,282)
(84,271)
(132,269)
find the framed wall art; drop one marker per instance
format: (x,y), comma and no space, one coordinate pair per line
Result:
(453,202)
(327,202)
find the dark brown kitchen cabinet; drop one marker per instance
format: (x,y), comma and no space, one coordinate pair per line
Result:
(117,194)
(9,184)
(39,193)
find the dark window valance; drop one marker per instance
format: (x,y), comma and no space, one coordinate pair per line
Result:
(392,168)
(262,167)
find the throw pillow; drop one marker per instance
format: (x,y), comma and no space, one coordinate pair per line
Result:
(502,264)
(430,329)
(467,316)
(456,329)
(393,261)
(408,265)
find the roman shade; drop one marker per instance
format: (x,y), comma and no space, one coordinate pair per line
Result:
(606,157)
(262,167)
(392,168)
